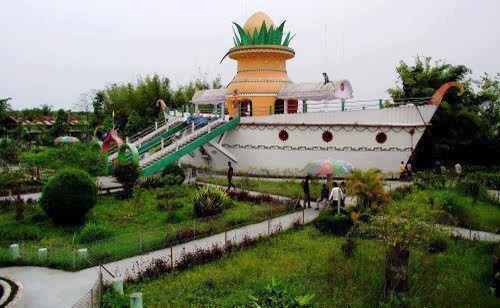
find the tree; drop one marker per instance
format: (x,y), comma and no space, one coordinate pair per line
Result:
(61,125)
(4,107)
(107,124)
(463,126)
(134,124)
(127,173)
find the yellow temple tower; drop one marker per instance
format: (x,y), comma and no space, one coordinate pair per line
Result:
(261,50)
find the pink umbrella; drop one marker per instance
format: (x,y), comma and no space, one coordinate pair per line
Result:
(66,139)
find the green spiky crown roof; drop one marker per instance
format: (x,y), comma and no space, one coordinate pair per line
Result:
(262,36)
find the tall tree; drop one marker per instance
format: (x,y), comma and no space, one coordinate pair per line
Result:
(134,124)
(61,124)
(459,131)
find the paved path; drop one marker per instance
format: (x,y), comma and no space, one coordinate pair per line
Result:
(54,288)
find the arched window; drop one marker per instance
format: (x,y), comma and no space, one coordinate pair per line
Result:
(246,108)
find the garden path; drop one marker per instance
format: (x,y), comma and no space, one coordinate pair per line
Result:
(45,287)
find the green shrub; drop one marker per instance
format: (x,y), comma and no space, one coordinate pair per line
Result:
(437,244)
(114,300)
(472,186)
(151,182)
(8,150)
(428,180)
(173,174)
(210,200)
(276,294)
(331,223)
(172,180)
(127,174)
(455,208)
(349,246)
(92,232)
(68,196)
(75,155)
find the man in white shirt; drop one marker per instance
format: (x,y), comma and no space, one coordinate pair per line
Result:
(335,196)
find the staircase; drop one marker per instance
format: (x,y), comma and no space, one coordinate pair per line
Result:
(185,145)
(149,139)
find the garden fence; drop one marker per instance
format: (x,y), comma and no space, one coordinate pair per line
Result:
(93,298)
(185,254)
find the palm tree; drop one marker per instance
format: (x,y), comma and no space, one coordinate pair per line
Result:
(368,187)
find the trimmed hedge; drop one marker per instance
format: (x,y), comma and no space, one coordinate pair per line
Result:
(68,196)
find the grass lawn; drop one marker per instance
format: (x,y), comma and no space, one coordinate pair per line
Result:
(481,216)
(283,188)
(309,262)
(163,216)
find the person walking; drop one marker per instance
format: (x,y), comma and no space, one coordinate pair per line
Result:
(307,192)
(323,199)
(335,196)
(343,193)
(230,173)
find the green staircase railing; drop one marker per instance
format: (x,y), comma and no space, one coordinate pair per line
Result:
(157,140)
(193,145)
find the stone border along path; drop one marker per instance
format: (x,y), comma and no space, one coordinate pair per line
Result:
(44,287)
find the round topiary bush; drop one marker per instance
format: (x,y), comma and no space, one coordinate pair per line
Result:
(173,175)
(332,223)
(68,196)
(209,201)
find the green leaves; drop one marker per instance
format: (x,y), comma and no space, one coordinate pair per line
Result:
(261,36)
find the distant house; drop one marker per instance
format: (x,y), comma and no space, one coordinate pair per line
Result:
(37,125)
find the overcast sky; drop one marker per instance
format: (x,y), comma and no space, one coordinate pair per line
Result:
(53,51)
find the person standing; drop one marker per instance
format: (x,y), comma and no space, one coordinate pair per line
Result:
(230,173)
(401,171)
(335,196)
(307,192)
(323,199)
(458,169)
(437,167)
(409,171)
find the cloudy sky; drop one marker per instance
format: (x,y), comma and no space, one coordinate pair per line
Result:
(52,51)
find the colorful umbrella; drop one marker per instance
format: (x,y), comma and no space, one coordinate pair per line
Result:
(66,139)
(329,166)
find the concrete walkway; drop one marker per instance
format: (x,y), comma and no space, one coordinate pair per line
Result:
(54,288)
